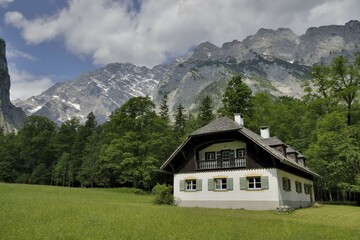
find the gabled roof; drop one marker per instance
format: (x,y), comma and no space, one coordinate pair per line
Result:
(224,124)
(273,141)
(221,124)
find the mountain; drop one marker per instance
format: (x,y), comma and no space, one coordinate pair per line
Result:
(100,92)
(11,117)
(276,61)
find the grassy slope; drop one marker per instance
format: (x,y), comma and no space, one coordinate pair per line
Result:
(43,212)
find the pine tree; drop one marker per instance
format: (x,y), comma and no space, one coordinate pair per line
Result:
(164,109)
(205,111)
(237,98)
(180,121)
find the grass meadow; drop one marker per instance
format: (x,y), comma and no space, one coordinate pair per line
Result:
(46,212)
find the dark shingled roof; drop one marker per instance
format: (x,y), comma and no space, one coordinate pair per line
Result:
(273,141)
(291,150)
(222,124)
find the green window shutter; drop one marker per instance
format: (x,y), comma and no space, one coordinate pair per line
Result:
(198,184)
(210,184)
(265,182)
(229,183)
(182,185)
(218,155)
(232,154)
(243,183)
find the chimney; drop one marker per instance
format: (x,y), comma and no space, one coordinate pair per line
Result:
(238,119)
(264,132)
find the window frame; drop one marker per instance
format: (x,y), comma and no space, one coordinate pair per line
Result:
(298,187)
(255,182)
(264,183)
(207,154)
(223,184)
(196,185)
(242,150)
(307,188)
(286,184)
(225,151)
(190,183)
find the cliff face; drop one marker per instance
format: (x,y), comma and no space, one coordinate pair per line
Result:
(11,117)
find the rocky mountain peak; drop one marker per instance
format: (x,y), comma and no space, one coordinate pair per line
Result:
(353,25)
(204,50)
(11,117)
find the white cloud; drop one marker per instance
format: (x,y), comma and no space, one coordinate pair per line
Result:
(13,53)
(4,3)
(25,84)
(112,31)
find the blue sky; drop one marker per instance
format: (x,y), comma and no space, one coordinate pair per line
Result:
(51,41)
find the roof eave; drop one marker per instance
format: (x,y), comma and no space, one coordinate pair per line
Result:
(174,153)
(279,156)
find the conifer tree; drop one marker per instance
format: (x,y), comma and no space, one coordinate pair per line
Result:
(164,109)
(180,121)
(205,111)
(237,98)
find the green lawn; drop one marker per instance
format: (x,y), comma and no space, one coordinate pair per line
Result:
(44,212)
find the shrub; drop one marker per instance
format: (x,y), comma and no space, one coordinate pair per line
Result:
(163,194)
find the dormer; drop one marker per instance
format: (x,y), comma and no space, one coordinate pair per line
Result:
(292,154)
(301,160)
(276,144)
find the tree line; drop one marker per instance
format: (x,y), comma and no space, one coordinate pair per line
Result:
(130,147)
(127,150)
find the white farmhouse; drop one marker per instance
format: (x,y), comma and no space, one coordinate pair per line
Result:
(225,165)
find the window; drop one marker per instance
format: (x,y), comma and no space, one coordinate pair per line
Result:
(307,188)
(298,187)
(220,184)
(210,156)
(225,154)
(191,185)
(286,184)
(241,152)
(254,183)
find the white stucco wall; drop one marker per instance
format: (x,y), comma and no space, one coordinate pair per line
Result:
(293,198)
(236,198)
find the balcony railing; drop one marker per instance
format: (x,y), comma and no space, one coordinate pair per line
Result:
(221,163)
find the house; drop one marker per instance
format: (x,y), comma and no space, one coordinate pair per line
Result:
(225,165)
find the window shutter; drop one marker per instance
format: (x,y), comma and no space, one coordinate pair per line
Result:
(182,185)
(218,155)
(229,183)
(243,183)
(210,184)
(198,184)
(265,182)
(232,154)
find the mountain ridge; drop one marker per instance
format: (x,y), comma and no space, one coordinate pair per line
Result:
(276,61)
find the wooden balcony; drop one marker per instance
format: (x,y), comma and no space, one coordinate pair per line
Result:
(221,163)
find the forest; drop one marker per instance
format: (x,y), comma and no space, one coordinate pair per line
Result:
(128,149)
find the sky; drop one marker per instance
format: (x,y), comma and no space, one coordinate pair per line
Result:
(50,41)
